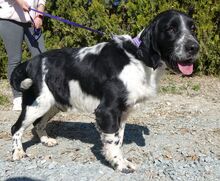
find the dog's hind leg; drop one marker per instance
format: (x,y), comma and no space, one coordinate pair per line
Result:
(17,132)
(40,106)
(40,127)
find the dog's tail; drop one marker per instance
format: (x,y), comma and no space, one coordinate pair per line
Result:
(19,78)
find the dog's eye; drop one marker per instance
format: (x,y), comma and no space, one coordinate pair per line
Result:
(171,29)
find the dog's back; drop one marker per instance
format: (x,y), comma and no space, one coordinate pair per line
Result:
(84,69)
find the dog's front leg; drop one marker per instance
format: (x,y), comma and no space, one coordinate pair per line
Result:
(111,130)
(112,151)
(110,118)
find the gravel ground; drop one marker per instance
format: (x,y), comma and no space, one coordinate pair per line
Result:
(175,136)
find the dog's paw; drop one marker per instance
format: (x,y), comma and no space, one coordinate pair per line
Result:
(47,141)
(18,154)
(125,166)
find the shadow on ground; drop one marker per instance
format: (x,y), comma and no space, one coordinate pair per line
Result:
(87,133)
(21,179)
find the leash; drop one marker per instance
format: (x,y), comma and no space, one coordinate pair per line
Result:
(67,21)
(37,32)
(136,41)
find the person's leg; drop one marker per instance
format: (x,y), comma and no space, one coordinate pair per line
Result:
(36,46)
(12,36)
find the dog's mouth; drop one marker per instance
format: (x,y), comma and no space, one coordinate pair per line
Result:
(183,66)
(186,67)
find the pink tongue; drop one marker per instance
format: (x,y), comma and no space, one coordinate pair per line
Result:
(186,69)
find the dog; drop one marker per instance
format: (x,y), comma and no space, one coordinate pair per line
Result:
(108,79)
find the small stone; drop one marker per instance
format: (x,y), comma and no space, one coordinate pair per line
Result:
(48,157)
(43,161)
(168,103)
(52,165)
(31,167)
(207,168)
(101,172)
(208,159)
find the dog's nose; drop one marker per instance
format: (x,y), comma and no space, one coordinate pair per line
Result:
(192,47)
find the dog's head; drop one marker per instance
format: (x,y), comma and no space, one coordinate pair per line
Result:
(170,38)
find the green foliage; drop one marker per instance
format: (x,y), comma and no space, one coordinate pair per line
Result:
(3,61)
(172,89)
(128,18)
(196,87)
(3,100)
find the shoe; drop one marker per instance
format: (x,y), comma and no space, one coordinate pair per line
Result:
(17,104)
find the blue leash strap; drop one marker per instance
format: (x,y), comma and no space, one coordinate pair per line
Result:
(37,32)
(67,21)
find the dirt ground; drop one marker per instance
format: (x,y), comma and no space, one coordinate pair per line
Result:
(174,136)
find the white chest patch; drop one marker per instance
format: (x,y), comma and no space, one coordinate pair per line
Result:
(140,81)
(80,100)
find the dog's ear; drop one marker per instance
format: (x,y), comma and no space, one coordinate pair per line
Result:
(148,50)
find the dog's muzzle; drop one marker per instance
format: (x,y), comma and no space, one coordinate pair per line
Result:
(188,55)
(191,48)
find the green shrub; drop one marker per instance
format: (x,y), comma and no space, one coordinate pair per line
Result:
(3,99)
(128,18)
(3,61)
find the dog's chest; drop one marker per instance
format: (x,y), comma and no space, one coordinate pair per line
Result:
(140,82)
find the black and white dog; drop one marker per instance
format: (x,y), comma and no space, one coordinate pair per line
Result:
(109,79)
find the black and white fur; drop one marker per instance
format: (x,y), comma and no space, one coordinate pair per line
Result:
(108,79)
